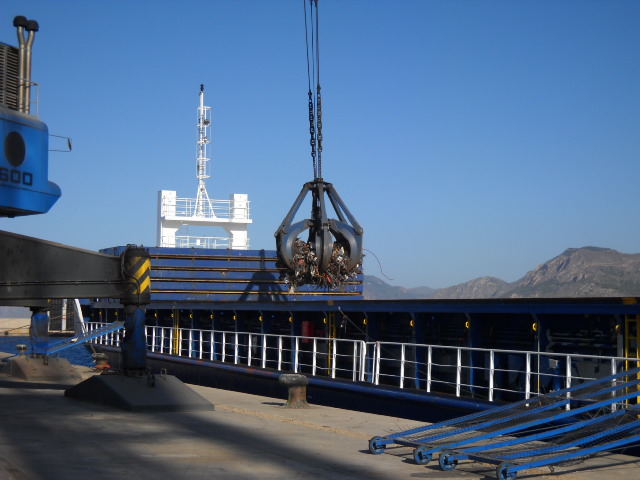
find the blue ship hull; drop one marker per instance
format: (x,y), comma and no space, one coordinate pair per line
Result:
(242,291)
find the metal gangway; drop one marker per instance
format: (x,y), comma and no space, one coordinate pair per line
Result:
(86,336)
(567,425)
(69,342)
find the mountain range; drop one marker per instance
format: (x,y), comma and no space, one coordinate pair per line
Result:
(576,272)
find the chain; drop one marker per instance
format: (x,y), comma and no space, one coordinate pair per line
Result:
(319,175)
(312,131)
(313,62)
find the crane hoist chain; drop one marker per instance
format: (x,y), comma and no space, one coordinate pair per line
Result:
(333,253)
(316,133)
(312,132)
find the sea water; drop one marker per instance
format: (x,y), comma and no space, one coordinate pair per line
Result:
(78,354)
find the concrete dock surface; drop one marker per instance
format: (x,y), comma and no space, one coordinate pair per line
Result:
(44,435)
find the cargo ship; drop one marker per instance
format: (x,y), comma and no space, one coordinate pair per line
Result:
(237,318)
(219,313)
(226,318)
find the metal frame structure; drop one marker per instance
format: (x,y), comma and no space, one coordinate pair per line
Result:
(567,443)
(346,229)
(177,214)
(36,271)
(459,438)
(356,360)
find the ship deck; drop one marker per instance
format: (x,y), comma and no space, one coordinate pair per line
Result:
(46,435)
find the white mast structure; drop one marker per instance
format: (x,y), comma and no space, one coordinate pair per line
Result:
(203,204)
(175,215)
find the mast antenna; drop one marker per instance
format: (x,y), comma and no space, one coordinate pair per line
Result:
(203,203)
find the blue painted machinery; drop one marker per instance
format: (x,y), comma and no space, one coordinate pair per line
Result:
(34,270)
(24,185)
(550,433)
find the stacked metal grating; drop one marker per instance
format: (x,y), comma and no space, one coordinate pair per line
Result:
(8,76)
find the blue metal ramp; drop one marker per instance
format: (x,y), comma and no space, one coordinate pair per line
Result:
(85,337)
(565,445)
(78,339)
(591,399)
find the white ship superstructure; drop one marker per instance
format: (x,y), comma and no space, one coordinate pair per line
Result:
(176,215)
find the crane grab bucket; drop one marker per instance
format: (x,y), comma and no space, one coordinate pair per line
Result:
(333,252)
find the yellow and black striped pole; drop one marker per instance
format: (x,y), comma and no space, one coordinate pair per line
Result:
(136,272)
(136,277)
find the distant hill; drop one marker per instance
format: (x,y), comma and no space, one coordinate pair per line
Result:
(577,272)
(483,287)
(582,272)
(376,289)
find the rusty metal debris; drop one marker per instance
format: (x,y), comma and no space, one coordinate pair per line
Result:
(333,253)
(305,267)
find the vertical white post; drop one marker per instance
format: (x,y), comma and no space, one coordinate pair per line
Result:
(154,340)
(212,344)
(264,351)
(315,355)
(568,381)
(224,346)
(355,362)
(250,346)
(296,346)
(402,360)
(235,349)
(376,364)
(279,352)
(334,356)
(79,326)
(492,372)
(429,368)
(363,360)
(527,387)
(458,370)
(614,406)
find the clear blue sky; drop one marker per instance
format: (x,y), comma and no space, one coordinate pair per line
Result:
(469,138)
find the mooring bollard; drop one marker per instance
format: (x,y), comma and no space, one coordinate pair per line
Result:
(102,361)
(297,385)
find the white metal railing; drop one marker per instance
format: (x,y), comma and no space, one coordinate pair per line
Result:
(483,373)
(190,241)
(214,209)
